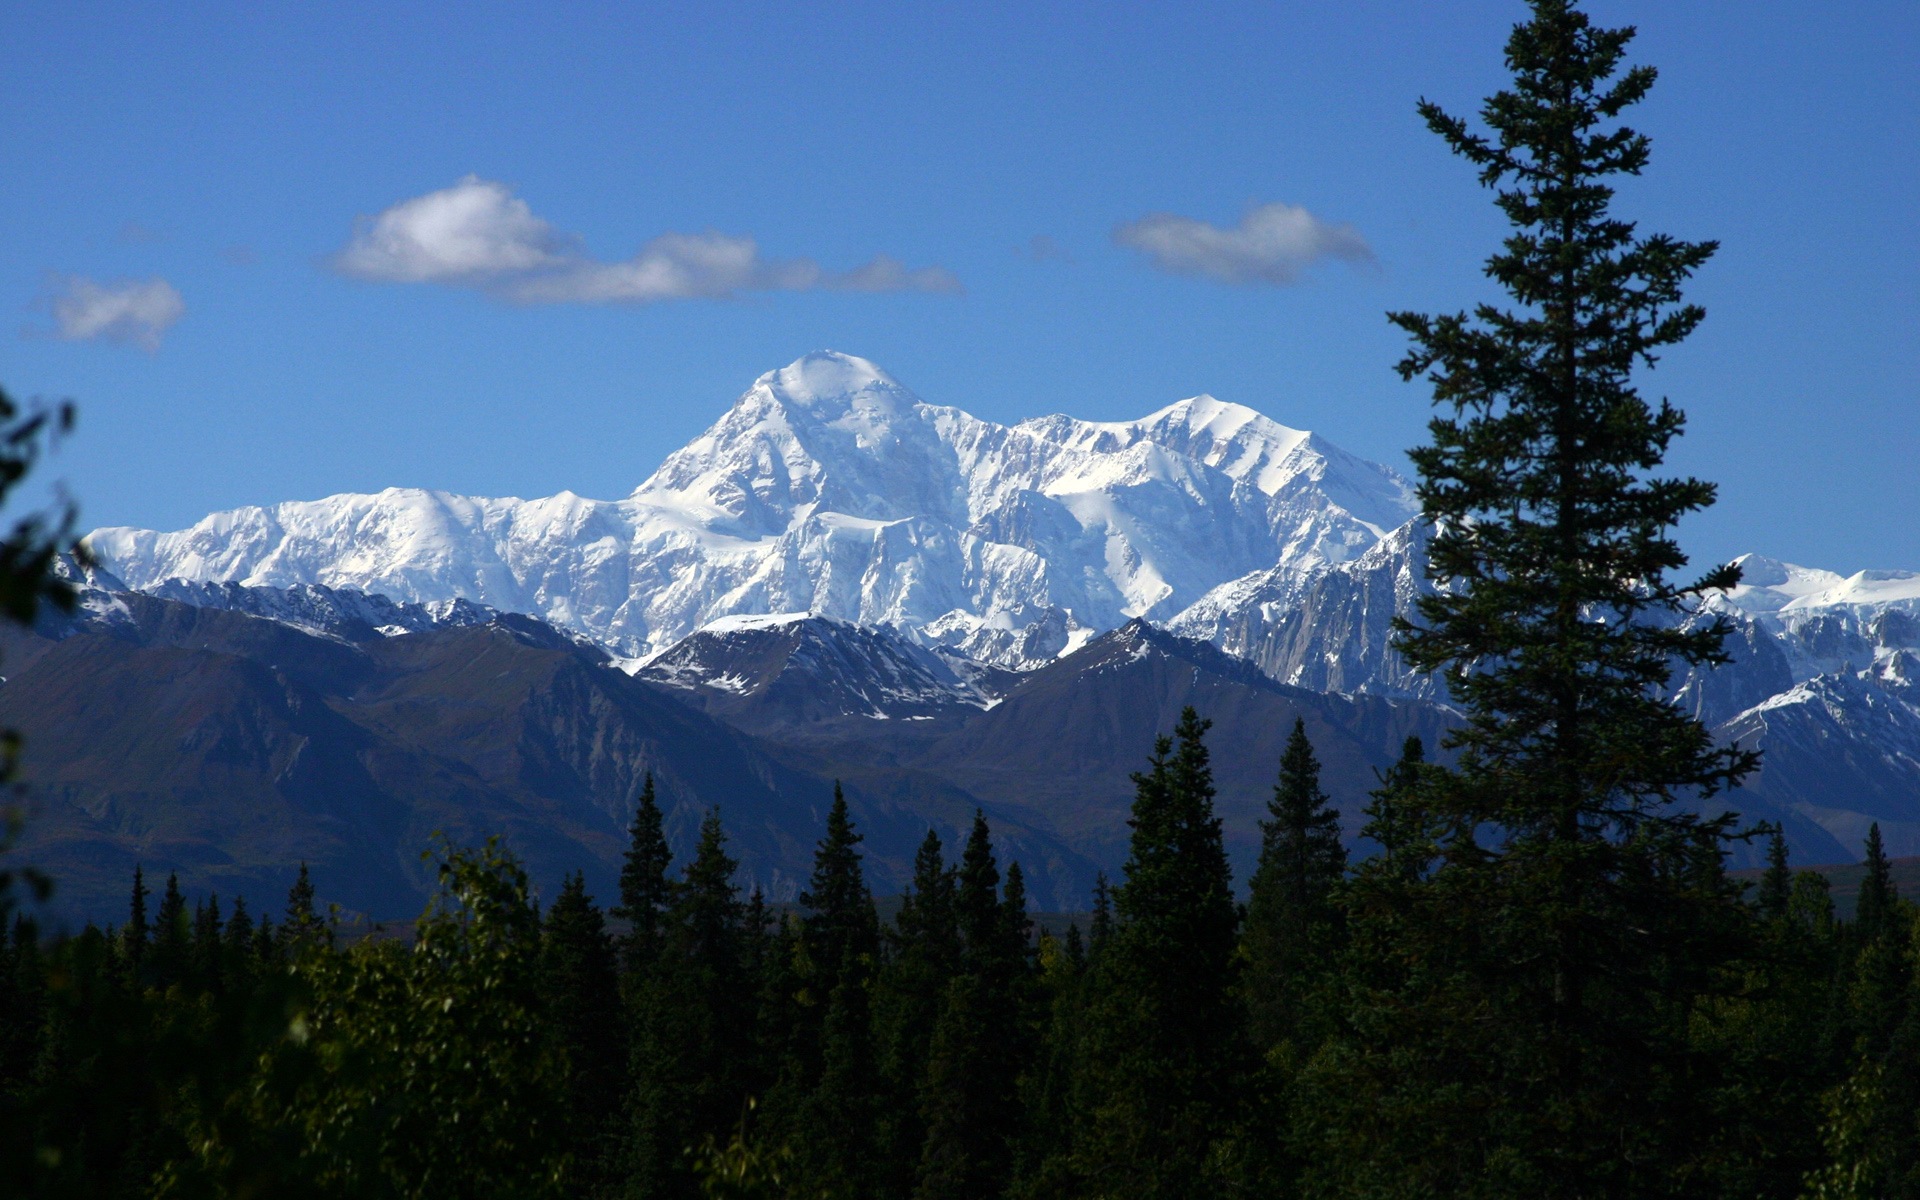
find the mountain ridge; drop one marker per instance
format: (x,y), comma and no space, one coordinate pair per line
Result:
(829,487)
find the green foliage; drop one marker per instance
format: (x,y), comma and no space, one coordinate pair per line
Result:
(1525,1024)
(693,1053)
(1292,921)
(428,1070)
(644,886)
(923,958)
(580,982)
(969,1099)
(1164,1054)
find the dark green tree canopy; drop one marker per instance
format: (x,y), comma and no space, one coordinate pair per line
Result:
(841,928)
(1556,621)
(645,888)
(1290,908)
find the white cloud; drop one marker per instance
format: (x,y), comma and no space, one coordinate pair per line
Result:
(472,232)
(121,310)
(478,234)
(1272,244)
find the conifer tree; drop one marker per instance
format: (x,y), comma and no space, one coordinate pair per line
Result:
(236,946)
(1100,927)
(134,936)
(694,1051)
(924,957)
(1042,1167)
(1290,911)
(173,934)
(1873,914)
(1400,821)
(970,1099)
(761,945)
(1776,886)
(644,886)
(833,1080)
(838,1147)
(1166,1050)
(580,982)
(266,942)
(207,949)
(841,933)
(302,926)
(1574,905)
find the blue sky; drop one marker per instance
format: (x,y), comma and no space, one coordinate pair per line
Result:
(983,199)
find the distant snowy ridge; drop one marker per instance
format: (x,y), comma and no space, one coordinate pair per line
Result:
(828,488)
(1828,623)
(1824,676)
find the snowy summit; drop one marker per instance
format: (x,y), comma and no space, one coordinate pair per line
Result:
(829,488)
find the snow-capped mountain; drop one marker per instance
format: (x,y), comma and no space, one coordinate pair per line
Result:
(1824,676)
(916,542)
(1842,751)
(317,608)
(1828,623)
(830,488)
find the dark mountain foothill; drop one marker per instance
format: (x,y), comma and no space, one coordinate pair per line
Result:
(234,732)
(231,748)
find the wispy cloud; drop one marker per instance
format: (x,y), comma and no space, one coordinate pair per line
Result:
(478,234)
(134,311)
(1272,244)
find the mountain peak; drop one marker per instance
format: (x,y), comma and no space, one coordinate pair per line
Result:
(828,380)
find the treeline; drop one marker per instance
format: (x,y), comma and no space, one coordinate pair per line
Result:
(1182,1045)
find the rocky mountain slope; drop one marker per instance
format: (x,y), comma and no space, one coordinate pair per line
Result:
(796,675)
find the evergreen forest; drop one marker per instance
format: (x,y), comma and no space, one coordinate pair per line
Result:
(1531,976)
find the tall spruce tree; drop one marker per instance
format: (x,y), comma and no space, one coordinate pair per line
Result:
(206,954)
(970,1098)
(173,936)
(580,983)
(303,926)
(1166,1050)
(1291,917)
(924,957)
(134,936)
(832,1086)
(1575,906)
(1100,924)
(236,948)
(1776,886)
(841,933)
(694,1052)
(644,885)
(1873,912)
